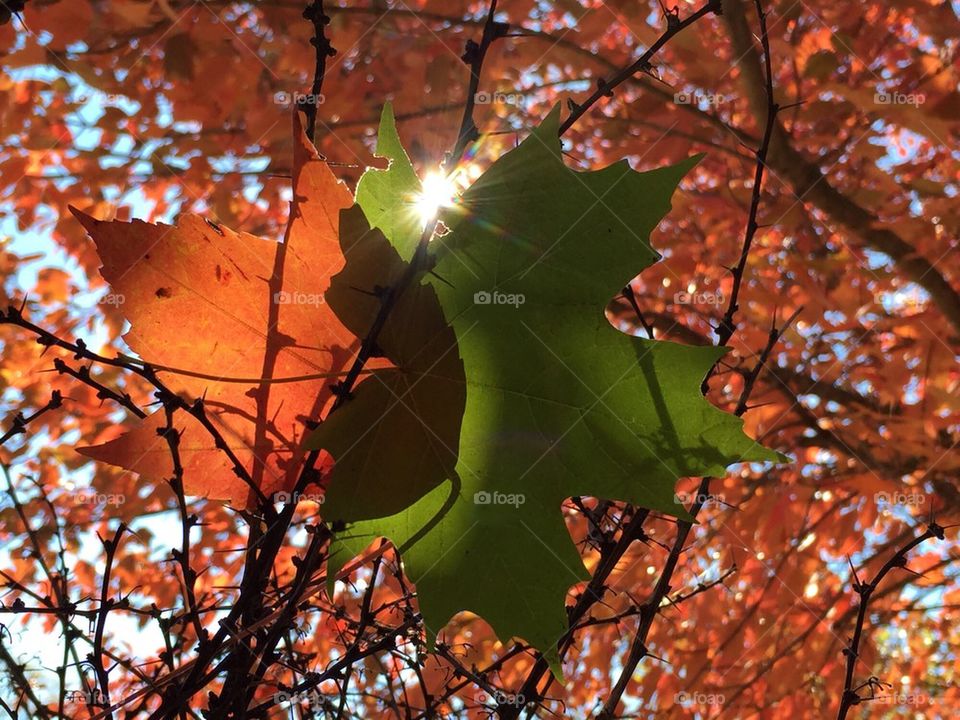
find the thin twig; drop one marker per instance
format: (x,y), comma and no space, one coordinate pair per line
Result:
(641,64)
(20,421)
(323,50)
(865,591)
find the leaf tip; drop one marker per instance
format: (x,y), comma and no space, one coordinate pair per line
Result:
(683,167)
(88,221)
(388,139)
(552,656)
(386,114)
(548,132)
(301,141)
(89,451)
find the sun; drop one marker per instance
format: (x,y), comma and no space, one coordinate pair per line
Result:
(438,190)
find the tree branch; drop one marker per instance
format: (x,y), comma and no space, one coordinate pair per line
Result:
(811,185)
(850,695)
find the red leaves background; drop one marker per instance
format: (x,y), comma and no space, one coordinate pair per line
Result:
(155,109)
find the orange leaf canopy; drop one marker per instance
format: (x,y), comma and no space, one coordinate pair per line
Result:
(231,305)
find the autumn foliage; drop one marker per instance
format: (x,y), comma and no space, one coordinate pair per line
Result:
(247,367)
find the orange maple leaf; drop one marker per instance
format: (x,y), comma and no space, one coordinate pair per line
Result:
(228,305)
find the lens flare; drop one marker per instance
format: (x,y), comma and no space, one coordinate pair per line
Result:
(437,191)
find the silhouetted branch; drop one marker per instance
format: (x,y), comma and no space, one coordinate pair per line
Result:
(641,64)
(324,50)
(20,421)
(865,591)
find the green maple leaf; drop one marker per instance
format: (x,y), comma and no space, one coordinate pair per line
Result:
(397,437)
(558,403)
(388,197)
